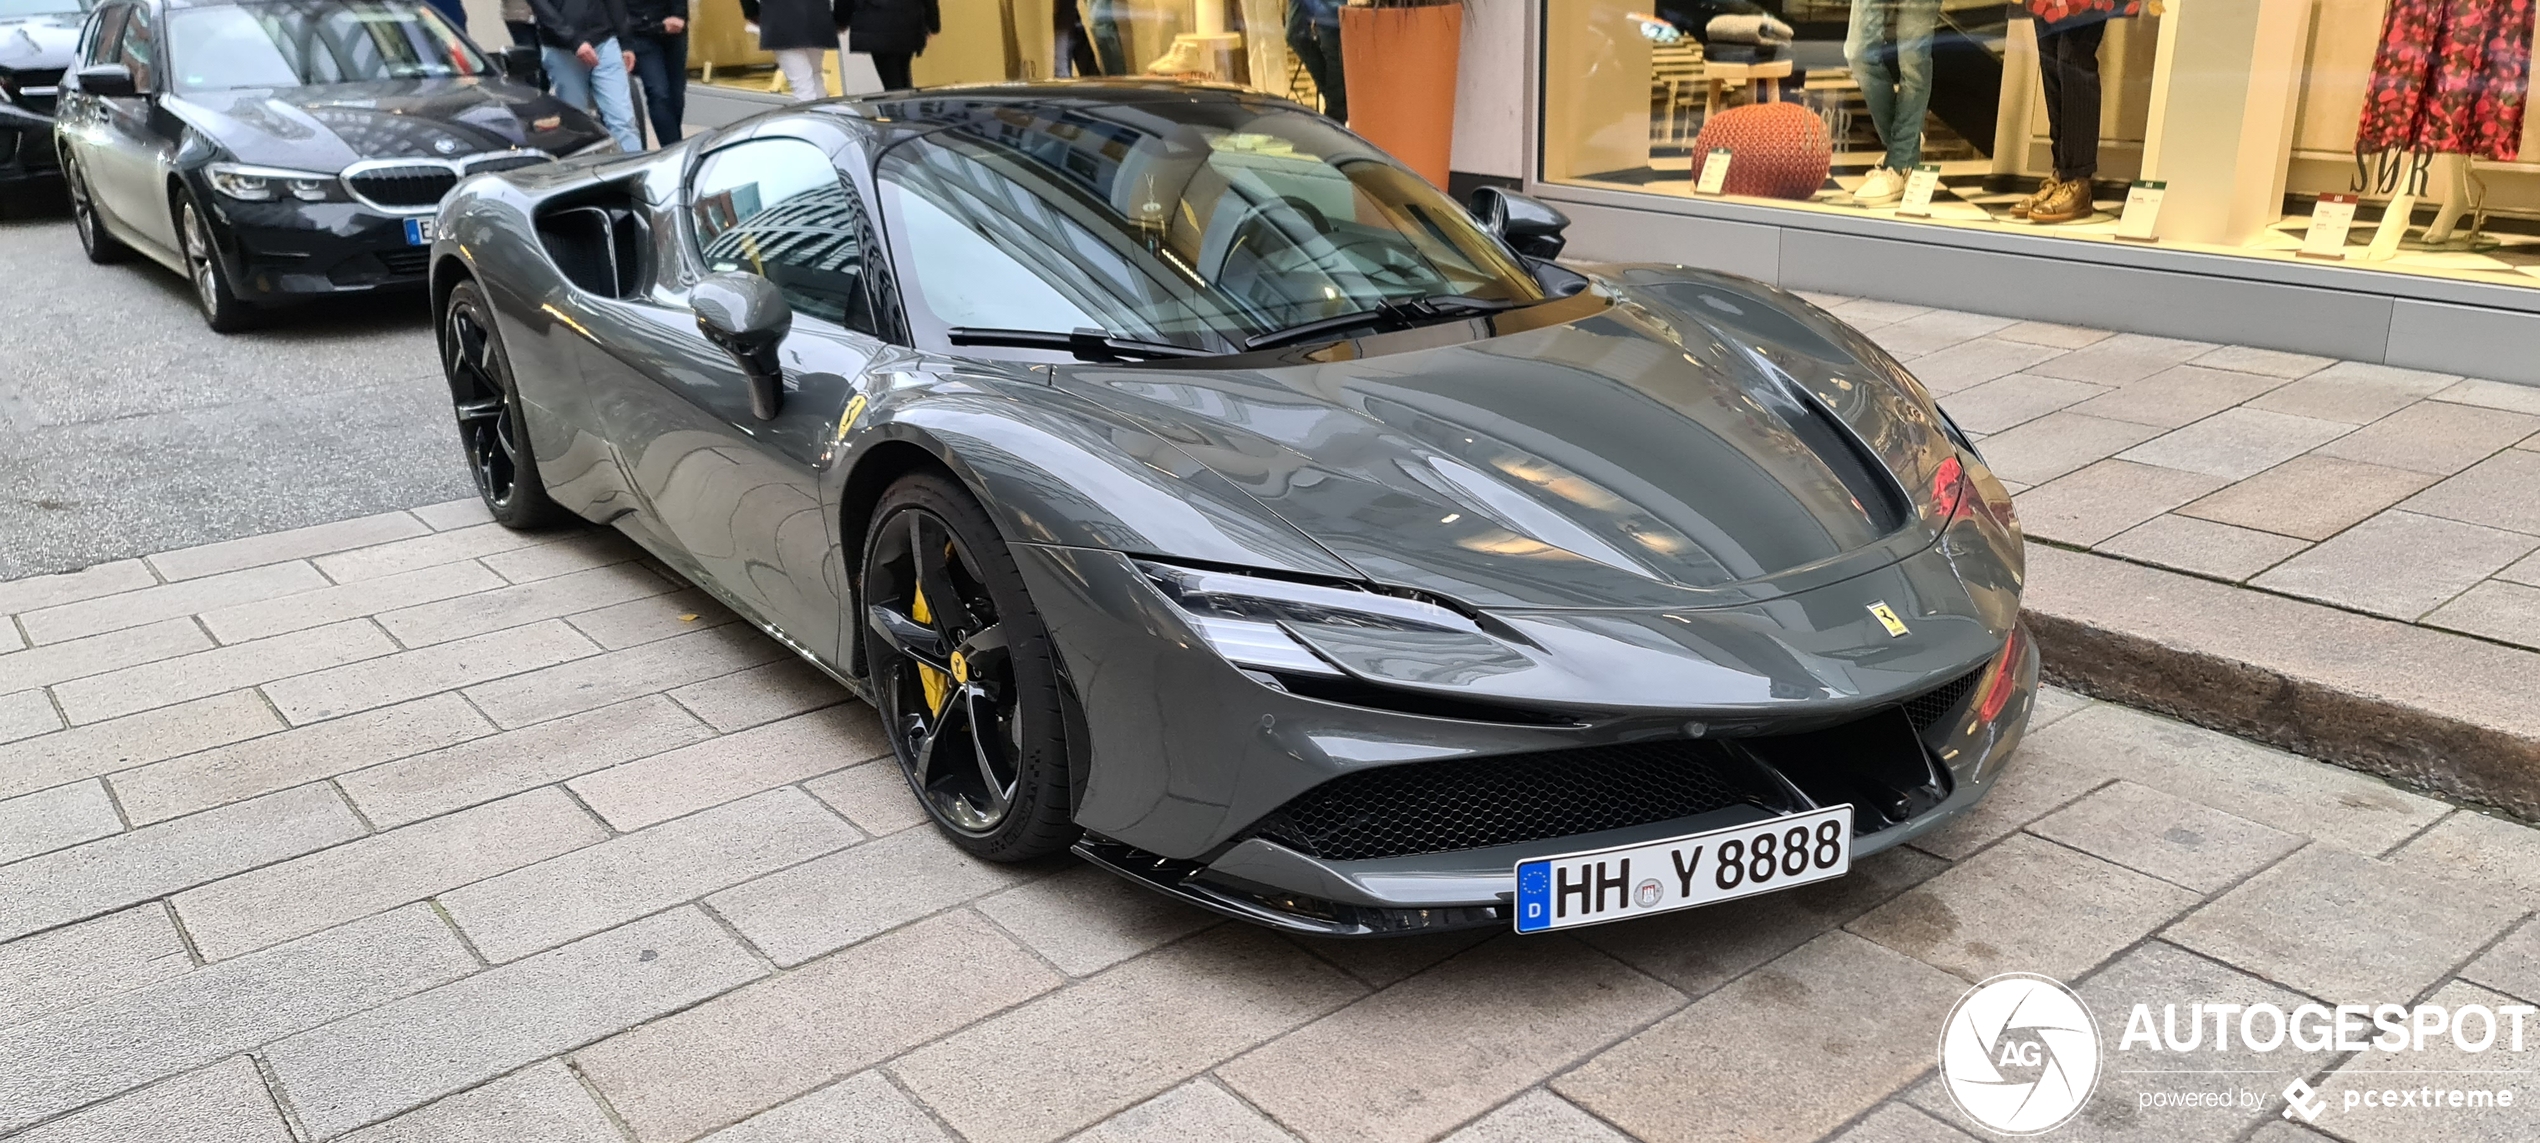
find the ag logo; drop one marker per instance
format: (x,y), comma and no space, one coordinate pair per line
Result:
(2020,1054)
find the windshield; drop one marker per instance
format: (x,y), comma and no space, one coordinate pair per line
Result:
(16,9)
(1200,224)
(301,44)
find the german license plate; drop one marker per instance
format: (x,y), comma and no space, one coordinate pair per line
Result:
(419,232)
(1679,873)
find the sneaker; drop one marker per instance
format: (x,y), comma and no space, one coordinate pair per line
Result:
(2068,202)
(1880,187)
(2021,208)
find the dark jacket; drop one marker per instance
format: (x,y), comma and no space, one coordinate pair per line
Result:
(569,24)
(645,16)
(795,23)
(891,26)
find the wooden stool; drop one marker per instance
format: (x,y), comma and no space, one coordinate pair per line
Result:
(1765,76)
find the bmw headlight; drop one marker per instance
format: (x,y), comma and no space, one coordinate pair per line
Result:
(272,184)
(1249,619)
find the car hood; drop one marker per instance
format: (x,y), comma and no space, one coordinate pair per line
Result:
(1638,457)
(38,43)
(329,126)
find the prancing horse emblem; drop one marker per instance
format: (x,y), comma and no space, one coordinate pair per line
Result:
(1887,618)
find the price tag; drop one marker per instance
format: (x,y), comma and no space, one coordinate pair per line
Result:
(1715,172)
(1918,191)
(2331,217)
(2142,210)
(2394,226)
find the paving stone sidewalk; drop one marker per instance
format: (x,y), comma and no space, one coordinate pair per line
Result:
(2391,492)
(410,828)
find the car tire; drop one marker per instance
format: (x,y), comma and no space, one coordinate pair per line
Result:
(101,248)
(493,430)
(213,291)
(968,693)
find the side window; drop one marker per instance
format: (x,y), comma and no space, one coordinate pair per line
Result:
(778,209)
(140,49)
(104,42)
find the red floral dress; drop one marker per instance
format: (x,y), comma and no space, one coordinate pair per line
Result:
(2451,76)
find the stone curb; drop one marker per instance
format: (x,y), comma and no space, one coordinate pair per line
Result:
(2455,716)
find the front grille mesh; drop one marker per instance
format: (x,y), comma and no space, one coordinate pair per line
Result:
(1931,706)
(405,186)
(1468,803)
(404,263)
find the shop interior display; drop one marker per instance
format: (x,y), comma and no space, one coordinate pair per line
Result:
(2035,116)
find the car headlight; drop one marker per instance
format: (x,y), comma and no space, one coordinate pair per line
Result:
(270,184)
(1247,618)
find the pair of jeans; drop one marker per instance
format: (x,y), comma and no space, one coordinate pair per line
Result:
(2068,63)
(661,64)
(1889,48)
(600,88)
(1318,47)
(1103,23)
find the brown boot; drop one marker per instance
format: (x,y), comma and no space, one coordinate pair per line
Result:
(2021,208)
(2068,202)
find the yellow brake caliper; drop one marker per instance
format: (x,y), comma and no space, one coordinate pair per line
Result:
(936,684)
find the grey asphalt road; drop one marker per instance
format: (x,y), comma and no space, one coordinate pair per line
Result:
(128,427)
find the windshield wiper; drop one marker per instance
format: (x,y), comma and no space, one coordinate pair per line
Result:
(1398,314)
(1086,344)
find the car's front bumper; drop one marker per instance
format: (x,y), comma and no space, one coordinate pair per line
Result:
(1185,757)
(283,250)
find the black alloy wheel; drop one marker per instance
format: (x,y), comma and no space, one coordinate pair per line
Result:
(491,429)
(100,247)
(963,673)
(222,310)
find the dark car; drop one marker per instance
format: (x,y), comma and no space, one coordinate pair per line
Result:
(1186,481)
(282,149)
(35,48)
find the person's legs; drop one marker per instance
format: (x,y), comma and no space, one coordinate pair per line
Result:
(566,76)
(1109,54)
(802,73)
(1869,47)
(609,89)
(892,68)
(1327,40)
(1915,22)
(658,66)
(2069,61)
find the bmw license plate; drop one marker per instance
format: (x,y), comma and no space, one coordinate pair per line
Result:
(419,232)
(1680,873)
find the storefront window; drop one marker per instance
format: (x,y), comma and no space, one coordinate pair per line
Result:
(2384,134)
(984,41)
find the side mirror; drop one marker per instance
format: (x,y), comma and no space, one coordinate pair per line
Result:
(113,81)
(520,63)
(746,316)
(1529,226)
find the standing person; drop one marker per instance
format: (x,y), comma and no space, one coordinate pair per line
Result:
(799,32)
(893,32)
(660,44)
(582,43)
(1889,49)
(1314,34)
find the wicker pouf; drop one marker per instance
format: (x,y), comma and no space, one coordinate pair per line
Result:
(1780,150)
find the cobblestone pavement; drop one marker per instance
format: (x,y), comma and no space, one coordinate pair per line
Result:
(2392,492)
(409,828)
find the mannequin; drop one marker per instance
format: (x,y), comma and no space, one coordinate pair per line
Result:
(1889,48)
(2449,77)
(2068,36)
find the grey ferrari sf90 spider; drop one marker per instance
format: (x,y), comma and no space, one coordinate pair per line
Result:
(1186,482)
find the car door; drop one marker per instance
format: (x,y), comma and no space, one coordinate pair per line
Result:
(135,144)
(741,499)
(81,118)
